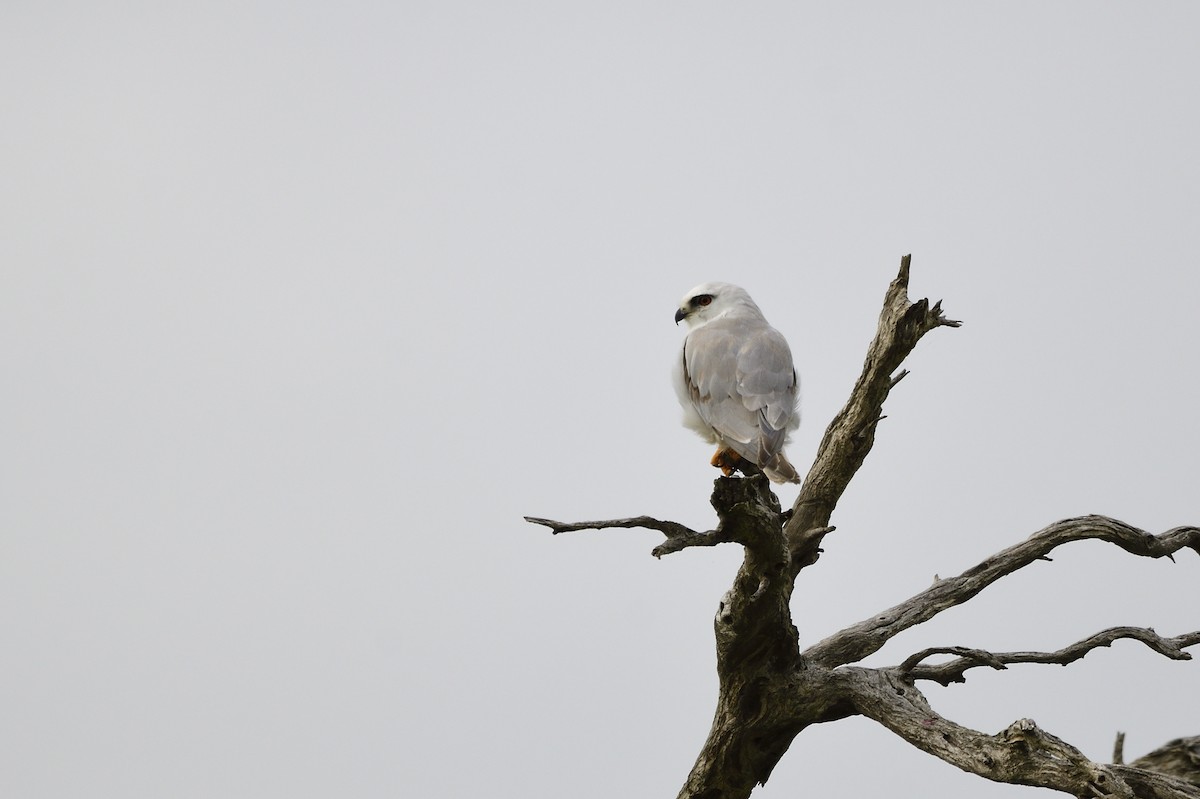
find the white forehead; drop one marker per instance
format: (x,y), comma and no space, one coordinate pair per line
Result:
(717,289)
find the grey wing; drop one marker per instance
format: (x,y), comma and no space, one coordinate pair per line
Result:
(710,363)
(768,387)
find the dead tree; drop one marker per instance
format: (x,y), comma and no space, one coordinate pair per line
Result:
(770,689)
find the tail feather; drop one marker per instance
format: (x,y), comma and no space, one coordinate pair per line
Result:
(780,470)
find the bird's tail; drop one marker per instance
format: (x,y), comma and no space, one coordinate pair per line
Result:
(780,470)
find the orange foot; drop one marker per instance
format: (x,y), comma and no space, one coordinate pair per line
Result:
(727,461)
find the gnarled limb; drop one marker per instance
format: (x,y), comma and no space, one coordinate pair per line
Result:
(860,640)
(851,434)
(952,671)
(667,528)
(1022,754)
(678,536)
(747,511)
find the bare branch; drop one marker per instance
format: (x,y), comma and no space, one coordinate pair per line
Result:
(953,671)
(851,434)
(747,510)
(678,536)
(857,642)
(912,668)
(667,528)
(1022,754)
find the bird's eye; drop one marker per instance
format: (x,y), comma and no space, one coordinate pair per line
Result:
(704,299)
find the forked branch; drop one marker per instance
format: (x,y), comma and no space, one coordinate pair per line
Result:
(857,642)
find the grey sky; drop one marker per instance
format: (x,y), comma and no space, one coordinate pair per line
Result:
(304,305)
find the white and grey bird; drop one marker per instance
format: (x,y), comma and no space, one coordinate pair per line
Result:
(736,381)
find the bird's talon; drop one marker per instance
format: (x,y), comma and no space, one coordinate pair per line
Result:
(727,460)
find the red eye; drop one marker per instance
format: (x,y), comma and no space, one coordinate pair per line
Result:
(704,299)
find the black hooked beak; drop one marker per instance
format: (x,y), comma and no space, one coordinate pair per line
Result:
(679,315)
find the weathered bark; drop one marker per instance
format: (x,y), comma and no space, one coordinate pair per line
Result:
(1022,754)
(770,690)
(1179,759)
(851,434)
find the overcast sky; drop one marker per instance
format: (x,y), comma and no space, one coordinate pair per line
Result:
(304,305)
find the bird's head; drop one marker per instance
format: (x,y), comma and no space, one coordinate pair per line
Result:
(710,301)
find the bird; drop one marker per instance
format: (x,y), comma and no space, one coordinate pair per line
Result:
(736,382)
